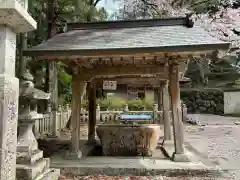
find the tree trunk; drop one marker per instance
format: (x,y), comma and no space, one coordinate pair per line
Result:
(52,30)
(22,60)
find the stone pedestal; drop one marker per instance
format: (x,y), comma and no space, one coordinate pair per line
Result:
(8,125)
(13,19)
(30,162)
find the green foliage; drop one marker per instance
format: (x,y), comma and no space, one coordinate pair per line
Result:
(80,11)
(148,102)
(118,103)
(111,102)
(141,104)
(136,105)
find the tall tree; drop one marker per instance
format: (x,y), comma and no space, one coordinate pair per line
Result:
(51,18)
(145,9)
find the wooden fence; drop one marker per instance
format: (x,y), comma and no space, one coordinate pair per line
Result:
(45,126)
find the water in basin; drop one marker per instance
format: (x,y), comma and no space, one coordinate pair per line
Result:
(136,116)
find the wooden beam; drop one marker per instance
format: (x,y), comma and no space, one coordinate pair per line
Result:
(132,76)
(136,79)
(139,80)
(124,70)
(180,21)
(73,57)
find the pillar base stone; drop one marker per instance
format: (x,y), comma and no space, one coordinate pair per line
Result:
(168,147)
(180,157)
(73,154)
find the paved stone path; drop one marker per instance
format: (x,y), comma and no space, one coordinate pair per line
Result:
(140,178)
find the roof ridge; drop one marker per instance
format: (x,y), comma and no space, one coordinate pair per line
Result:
(174,21)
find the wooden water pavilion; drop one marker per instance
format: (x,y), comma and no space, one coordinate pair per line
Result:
(160,47)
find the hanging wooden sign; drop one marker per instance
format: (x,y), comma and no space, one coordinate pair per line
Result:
(109,85)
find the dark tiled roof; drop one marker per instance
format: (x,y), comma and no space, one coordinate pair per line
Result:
(161,35)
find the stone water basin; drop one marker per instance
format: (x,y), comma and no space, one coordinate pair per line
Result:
(128,139)
(136,118)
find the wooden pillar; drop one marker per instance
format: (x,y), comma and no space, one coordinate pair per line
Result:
(160,97)
(178,155)
(159,100)
(92,112)
(166,118)
(77,90)
(53,88)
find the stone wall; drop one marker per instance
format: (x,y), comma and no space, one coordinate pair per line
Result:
(232,102)
(208,102)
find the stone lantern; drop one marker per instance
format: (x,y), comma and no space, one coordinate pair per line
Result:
(28,155)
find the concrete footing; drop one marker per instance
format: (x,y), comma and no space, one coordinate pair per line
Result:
(132,166)
(158,164)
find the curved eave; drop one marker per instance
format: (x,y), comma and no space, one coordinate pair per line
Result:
(57,53)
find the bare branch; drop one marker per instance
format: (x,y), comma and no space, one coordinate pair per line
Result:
(152,5)
(199,2)
(149,4)
(96,2)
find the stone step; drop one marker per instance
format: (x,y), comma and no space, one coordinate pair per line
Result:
(25,158)
(30,172)
(49,174)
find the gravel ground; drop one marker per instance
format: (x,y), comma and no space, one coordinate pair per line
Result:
(217,141)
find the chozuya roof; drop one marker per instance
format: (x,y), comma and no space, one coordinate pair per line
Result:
(143,36)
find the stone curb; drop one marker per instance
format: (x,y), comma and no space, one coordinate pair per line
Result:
(108,171)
